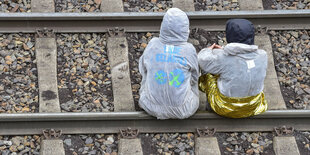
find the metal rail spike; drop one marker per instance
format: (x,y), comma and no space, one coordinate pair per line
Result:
(51,133)
(45,33)
(129,133)
(116,32)
(206,132)
(284,131)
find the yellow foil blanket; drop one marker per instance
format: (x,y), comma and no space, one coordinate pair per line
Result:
(233,107)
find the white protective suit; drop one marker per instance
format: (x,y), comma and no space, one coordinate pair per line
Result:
(242,68)
(169,69)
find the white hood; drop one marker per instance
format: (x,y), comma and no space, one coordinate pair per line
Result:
(174,27)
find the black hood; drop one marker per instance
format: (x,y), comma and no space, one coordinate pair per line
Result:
(240,31)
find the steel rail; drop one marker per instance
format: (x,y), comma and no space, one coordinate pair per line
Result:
(112,122)
(147,22)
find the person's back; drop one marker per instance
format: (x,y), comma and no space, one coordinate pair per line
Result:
(238,67)
(169,69)
(241,69)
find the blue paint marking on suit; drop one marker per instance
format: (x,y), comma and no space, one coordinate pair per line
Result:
(161,77)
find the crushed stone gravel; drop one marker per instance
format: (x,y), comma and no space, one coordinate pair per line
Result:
(77,5)
(18,74)
(84,76)
(291,50)
(105,144)
(147,5)
(15,6)
(216,5)
(24,145)
(286,4)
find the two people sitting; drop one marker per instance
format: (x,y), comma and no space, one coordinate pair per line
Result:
(233,78)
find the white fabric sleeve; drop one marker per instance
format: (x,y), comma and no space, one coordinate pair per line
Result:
(209,62)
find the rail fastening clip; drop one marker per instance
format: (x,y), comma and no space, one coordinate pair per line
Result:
(116,32)
(45,33)
(284,131)
(206,132)
(129,133)
(51,133)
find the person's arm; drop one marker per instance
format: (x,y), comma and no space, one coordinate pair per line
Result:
(142,67)
(209,60)
(142,62)
(194,69)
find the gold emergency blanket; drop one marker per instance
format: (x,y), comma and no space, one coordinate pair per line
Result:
(233,107)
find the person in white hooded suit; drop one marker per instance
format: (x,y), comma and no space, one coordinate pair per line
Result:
(235,80)
(169,69)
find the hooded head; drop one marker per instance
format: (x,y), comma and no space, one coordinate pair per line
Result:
(240,31)
(174,27)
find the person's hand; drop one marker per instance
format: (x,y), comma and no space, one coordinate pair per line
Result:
(212,46)
(215,46)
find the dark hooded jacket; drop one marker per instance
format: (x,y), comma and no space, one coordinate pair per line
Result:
(240,31)
(240,64)
(169,69)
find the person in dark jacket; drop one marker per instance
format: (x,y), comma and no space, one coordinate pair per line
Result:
(234,85)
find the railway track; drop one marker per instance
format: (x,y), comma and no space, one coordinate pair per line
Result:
(122,113)
(112,122)
(146,22)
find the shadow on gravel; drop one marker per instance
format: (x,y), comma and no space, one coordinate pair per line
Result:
(267,4)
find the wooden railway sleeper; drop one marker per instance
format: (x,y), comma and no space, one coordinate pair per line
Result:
(51,133)
(45,33)
(116,32)
(284,131)
(129,133)
(206,132)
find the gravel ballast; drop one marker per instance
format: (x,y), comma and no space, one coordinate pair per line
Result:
(201,38)
(84,77)
(303,141)
(286,4)
(216,5)
(105,144)
(147,5)
(168,143)
(21,145)
(18,74)
(246,143)
(15,6)
(77,6)
(291,50)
